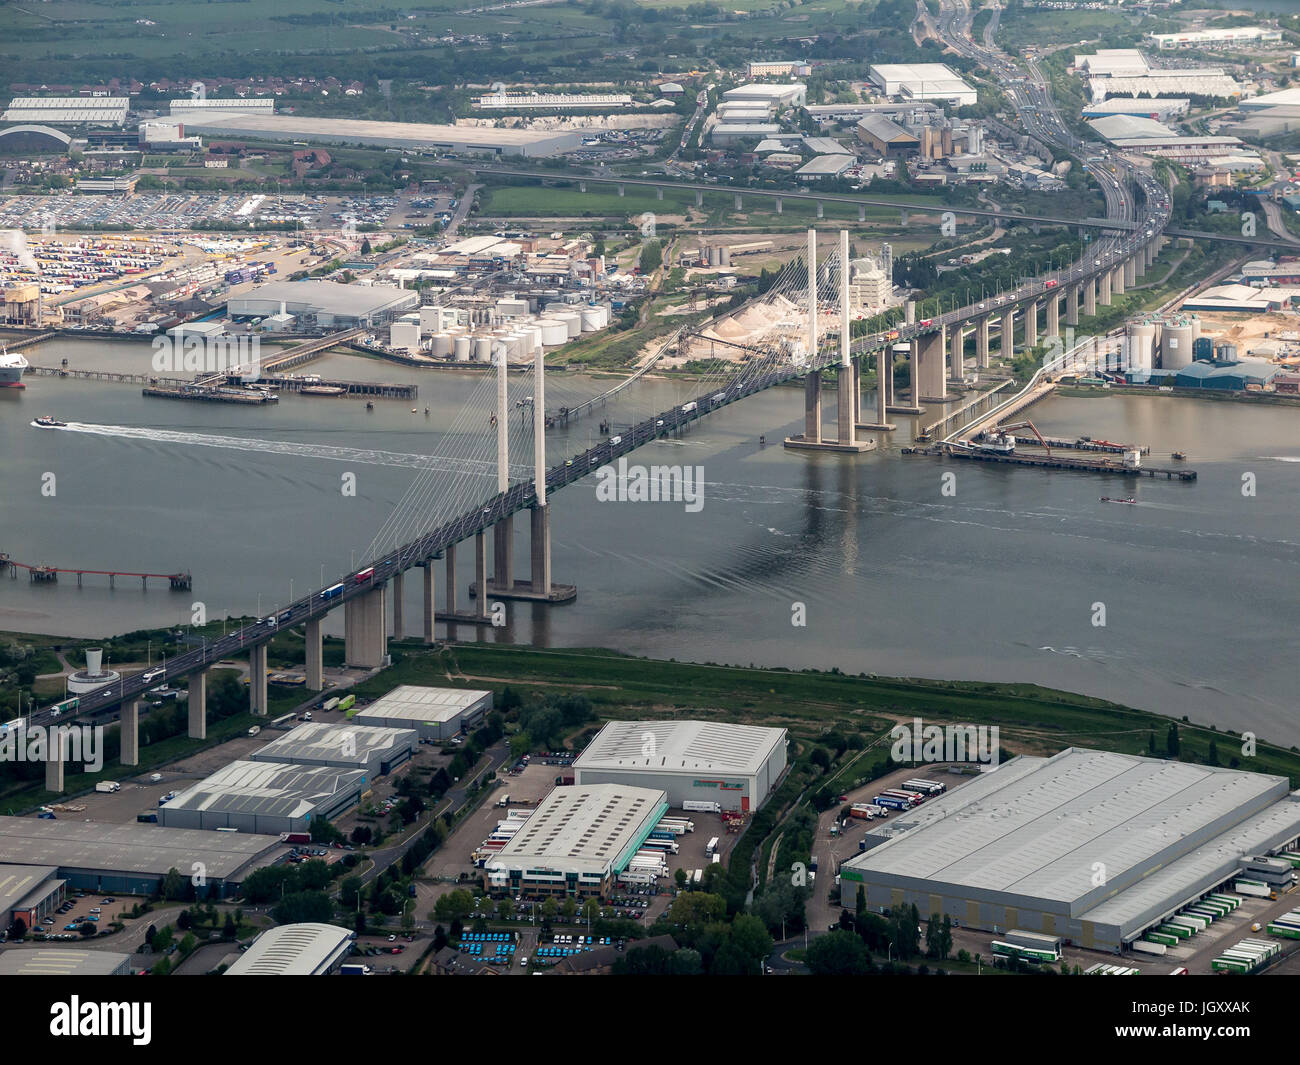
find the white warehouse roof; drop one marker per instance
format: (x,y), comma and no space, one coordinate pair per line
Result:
(318,743)
(306,949)
(681,747)
(921,81)
(67,110)
(583,828)
(420,704)
(273,789)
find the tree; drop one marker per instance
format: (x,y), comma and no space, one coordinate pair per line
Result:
(1171,741)
(750,936)
(904,932)
(365,246)
(550,908)
(696,909)
(938,936)
(652,257)
(18,929)
(303,906)
(87,929)
(838,954)
(506,909)
(173,885)
(184,921)
(680,878)
(230,929)
(454,906)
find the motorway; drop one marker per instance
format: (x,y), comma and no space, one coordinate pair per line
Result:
(1041,120)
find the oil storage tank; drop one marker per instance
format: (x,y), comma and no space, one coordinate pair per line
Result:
(1141,346)
(1176,340)
(463,347)
(554,332)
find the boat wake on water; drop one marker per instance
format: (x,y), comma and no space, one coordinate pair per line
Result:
(370,456)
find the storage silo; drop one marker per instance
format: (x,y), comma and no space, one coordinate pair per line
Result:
(572,322)
(1224,352)
(715,255)
(483,348)
(1176,342)
(554,332)
(532,338)
(1141,346)
(590,319)
(462,348)
(724,256)
(441,345)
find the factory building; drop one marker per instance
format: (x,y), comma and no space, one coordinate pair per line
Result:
(777,68)
(1020,848)
(254,105)
(736,766)
(372,750)
(1159,110)
(576,842)
(922,81)
(1176,82)
(1225,37)
(409,136)
(68,110)
(726,134)
(1112,63)
(435,713)
(775,94)
(130,859)
(325,304)
(29,893)
(513,101)
(306,949)
(824,166)
(265,797)
(1250,376)
(887,137)
(61,961)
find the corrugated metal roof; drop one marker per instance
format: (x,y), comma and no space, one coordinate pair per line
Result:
(681,746)
(273,789)
(305,949)
(414,703)
(353,743)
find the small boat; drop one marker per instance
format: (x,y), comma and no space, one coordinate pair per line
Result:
(762,441)
(1107,499)
(1181,456)
(370,404)
(46,422)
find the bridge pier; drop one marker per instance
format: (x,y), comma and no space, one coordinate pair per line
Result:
(503,555)
(129,727)
(1031,323)
(620,190)
(821,210)
(582,186)
(1090,297)
(480,573)
(699,198)
(398,626)
(451,579)
(1139,262)
(1054,314)
(778,205)
(1072,305)
(257,701)
(982,343)
(1130,271)
(1152,250)
(427,602)
(1103,289)
(931,381)
(315,656)
(54,761)
(197,709)
(740,203)
(957,356)
(365,635)
(1117,281)
(1007,339)
(862,213)
(540,535)
(884,389)
(659,194)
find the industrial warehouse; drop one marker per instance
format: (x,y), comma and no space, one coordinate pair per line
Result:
(64,962)
(266,797)
(371,750)
(306,949)
(325,304)
(736,766)
(577,841)
(129,859)
(1020,848)
(411,136)
(435,713)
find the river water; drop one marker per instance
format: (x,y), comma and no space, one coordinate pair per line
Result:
(1003,580)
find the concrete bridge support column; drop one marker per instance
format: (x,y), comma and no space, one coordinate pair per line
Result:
(198,700)
(931,380)
(821,210)
(315,658)
(398,626)
(1117,281)
(429,606)
(1054,315)
(1090,297)
(1031,324)
(480,574)
(1072,305)
(541,544)
(1103,289)
(982,343)
(812,406)
(1007,341)
(740,203)
(451,578)
(862,214)
(620,190)
(699,198)
(1130,271)
(54,762)
(503,554)
(778,205)
(659,194)
(257,680)
(129,726)
(857,391)
(365,634)
(957,356)
(1152,250)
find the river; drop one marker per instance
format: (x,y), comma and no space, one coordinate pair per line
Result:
(1003,580)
